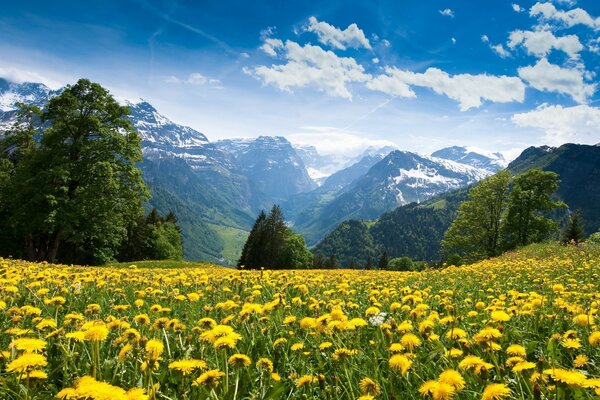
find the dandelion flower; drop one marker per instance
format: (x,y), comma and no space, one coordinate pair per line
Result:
(239,360)
(186,367)
(26,361)
(496,391)
(209,379)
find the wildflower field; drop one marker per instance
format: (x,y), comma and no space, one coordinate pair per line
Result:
(522,326)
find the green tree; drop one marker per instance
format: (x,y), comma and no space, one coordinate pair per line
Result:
(272,245)
(383,261)
(401,264)
(475,232)
(75,192)
(295,255)
(529,202)
(574,231)
(249,254)
(153,238)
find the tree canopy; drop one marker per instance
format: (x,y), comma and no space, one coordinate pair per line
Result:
(69,185)
(495,219)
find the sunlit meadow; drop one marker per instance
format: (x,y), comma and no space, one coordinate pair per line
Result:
(523,326)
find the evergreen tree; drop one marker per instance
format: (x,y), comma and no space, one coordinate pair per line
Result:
(383,261)
(574,231)
(319,261)
(76,190)
(332,262)
(272,245)
(251,241)
(529,201)
(475,232)
(275,231)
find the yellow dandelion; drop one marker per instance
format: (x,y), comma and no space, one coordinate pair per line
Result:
(209,379)
(186,367)
(399,362)
(495,391)
(239,360)
(26,361)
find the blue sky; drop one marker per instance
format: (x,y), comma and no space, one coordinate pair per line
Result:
(342,75)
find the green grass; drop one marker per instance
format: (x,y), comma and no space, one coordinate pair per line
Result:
(439,205)
(233,241)
(159,264)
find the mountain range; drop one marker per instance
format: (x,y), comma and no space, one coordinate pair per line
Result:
(217,188)
(416,230)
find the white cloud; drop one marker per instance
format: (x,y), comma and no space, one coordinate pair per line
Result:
(312,66)
(540,43)
(195,78)
(375,60)
(453,40)
(386,43)
(270,45)
(576,16)
(329,35)
(553,78)
(447,12)
(594,45)
(500,50)
(577,124)
(20,75)
(469,90)
(344,143)
(497,48)
(517,8)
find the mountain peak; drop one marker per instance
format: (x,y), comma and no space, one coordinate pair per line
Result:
(473,156)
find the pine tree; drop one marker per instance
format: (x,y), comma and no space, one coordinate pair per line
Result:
(383,261)
(574,232)
(272,245)
(255,239)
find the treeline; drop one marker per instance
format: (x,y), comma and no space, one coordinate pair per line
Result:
(421,228)
(272,245)
(70,189)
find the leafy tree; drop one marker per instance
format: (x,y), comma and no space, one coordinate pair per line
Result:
(153,238)
(295,254)
(475,232)
(454,259)
(75,192)
(383,261)
(401,264)
(574,231)
(594,238)
(529,202)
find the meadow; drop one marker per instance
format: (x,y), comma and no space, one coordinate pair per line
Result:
(521,326)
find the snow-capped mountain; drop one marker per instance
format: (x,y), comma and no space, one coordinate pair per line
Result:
(271,165)
(29,93)
(473,156)
(159,131)
(318,166)
(400,178)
